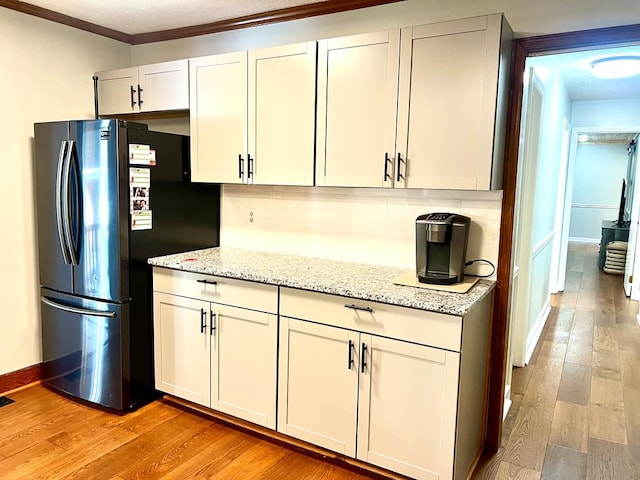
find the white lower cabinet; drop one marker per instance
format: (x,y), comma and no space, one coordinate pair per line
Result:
(395,387)
(181,349)
(399,388)
(220,356)
(387,402)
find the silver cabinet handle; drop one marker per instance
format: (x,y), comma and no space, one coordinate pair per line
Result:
(79,311)
(358,307)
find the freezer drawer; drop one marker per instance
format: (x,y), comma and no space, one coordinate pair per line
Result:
(85,348)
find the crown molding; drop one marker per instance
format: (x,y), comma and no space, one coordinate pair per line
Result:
(274,16)
(56,17)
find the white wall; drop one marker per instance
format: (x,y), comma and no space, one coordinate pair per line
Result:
(606,113)
(526,19)
(538,227)
(354,224)
(46,75)
(597,183)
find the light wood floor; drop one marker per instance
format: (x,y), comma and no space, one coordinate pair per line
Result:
(576,406)
(46,436)
(576,414)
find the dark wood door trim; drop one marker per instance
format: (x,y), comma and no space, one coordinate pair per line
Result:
(525,47)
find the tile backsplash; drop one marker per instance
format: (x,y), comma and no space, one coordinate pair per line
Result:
(367,225)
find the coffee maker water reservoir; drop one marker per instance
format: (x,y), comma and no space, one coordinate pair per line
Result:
(441,247)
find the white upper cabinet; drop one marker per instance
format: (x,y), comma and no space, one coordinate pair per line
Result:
(450,109)
(253,116)
(357,108)
(282,96)
(423,107)
(149,88)
(219,118)
(163,86)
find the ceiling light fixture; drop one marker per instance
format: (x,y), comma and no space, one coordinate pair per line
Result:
(620,66)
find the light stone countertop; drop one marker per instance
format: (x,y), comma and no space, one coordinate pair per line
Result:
(355,280)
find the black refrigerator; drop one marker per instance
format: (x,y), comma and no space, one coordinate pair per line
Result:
(110,194)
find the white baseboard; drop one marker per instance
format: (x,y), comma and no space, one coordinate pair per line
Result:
(534,336)
(584,240)
(507,401)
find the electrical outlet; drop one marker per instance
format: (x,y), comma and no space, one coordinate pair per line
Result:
(251,214)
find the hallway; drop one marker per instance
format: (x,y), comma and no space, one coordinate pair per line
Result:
(576,405)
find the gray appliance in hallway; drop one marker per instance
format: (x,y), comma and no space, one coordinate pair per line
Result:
(110,194)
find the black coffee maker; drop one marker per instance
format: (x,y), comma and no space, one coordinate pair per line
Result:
(441,247)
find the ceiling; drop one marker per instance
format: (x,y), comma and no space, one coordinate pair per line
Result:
(143,16)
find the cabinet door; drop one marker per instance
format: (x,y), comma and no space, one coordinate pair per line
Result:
(447,101)
(164,86)
(318,385)
(118,91)
(357,107)
(181,347)
(407,410)
(243,364)
(282,100)
(218,111)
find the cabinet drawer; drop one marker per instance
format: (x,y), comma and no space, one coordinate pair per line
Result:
(228,291)
(418,326)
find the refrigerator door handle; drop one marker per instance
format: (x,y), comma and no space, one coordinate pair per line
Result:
(80,311)
(59,199)
(66,200)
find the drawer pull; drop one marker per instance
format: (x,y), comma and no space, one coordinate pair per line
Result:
(358,307)
(213,322)
(364,356)
(203,320)
(351,345)
(206,282)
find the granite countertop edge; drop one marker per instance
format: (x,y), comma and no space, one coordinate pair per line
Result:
(349,279)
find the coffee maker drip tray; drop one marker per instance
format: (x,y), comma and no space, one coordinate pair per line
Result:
(436,278)
(409,279)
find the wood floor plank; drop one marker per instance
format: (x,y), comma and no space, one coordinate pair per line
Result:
(542,390)
(528,441)
(149,416)
(628,338)
(63,465)
(119,459)
(257,460)
(570,426)
(575,384)
(24,463)
(551,351)
(563,463)
(606,392)
(607,423)
(23,416)
(579,353)
(520,378)
(606,365)
(630,369)
(604,339)
(46,429)
(489,465)
(173,454)
(632,423)
(227,448)
(508,471)
(607,460)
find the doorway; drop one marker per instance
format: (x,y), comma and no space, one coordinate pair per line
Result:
(525,48)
